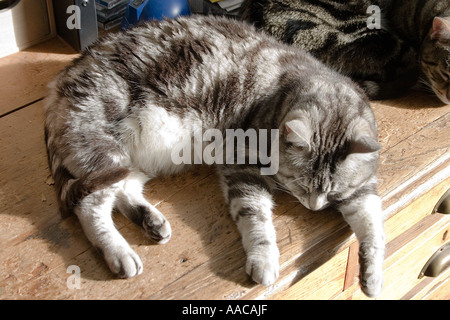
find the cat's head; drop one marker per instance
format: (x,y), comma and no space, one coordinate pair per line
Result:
(328,154)
(435,58)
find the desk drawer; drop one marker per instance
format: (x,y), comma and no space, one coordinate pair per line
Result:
(417,245)
(413,235)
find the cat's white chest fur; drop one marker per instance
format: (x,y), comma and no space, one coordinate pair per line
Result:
(150,137)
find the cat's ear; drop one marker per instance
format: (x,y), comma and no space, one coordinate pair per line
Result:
(364,144)
(298,132)
(441,29)
(362,140)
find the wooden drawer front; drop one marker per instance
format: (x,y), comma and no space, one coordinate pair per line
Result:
(416,211)
(415,247)
(412,236)
(323,283)
(405,257)
(431,288)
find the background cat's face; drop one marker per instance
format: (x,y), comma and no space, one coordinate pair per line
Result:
(435,58)
(321,167)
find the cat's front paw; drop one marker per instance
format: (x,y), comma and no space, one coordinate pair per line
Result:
(372,281)
(157,228)
(262,264)
(123,261)
(372,285)
(371,277)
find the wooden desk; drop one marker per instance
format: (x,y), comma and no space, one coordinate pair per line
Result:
(204,259)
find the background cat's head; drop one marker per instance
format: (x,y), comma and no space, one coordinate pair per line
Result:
(435,58)
(328,148)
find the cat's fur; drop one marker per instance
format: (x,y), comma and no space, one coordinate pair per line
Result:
(114,116)
(383,61)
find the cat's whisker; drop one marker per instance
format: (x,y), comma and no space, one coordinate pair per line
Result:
(295,180)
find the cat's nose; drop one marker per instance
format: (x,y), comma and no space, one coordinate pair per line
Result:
(318,201)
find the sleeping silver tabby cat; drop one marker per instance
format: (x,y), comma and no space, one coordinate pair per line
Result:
(114,116)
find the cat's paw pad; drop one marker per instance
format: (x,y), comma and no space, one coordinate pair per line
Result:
(262,265)
(123,261)
(157,228)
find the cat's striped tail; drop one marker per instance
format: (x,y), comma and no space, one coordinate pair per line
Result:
(71,190)
(382,90)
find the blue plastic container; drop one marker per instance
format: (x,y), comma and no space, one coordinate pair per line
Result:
(141,10)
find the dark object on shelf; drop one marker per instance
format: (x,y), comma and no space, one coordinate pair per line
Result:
(206,7)
(110,13)
(76,22)
(7,3)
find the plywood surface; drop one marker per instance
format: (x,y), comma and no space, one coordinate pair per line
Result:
(204,259)
(24,76)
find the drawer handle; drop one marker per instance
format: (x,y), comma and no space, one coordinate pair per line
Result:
(438,262)
(443,205)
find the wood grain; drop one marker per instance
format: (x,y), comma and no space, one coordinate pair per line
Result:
(24,75)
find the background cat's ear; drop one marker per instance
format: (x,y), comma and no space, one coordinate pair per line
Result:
(441,29)
(298,132)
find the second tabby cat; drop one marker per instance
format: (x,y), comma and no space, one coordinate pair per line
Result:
(383,61)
